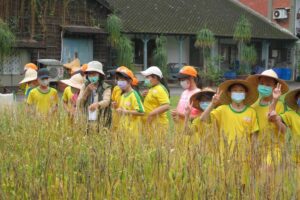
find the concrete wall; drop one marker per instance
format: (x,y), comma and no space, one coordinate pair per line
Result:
(173,50)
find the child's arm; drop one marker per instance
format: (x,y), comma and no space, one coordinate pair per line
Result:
(276,119)
(129,112)
(187,118)
(215,100)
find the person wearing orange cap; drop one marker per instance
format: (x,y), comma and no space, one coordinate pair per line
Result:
(30,80)
(30,66)
(115,100)
(26,86)
(188,80)
(130,107)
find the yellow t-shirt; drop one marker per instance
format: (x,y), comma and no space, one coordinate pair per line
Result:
(156,97)
(131,102)
(43,102)
(235,124)
(292,120)
(67,96)
(116,97)
(266,127)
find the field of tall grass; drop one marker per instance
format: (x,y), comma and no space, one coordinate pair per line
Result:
(51,158)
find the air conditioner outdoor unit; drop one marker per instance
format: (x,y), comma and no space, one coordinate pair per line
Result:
(56,69)
(56,73)
(280,13)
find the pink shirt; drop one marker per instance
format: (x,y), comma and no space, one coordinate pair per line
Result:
(185,100)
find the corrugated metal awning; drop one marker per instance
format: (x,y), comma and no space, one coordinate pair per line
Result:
(83,29)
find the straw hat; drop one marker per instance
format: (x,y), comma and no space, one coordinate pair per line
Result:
(251,95)
(73,64)
(195,97)
(290,99)
(95,66)
(76,81)
(30,75)
(270,74)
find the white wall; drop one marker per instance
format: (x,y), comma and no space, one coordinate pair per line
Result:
(173,50)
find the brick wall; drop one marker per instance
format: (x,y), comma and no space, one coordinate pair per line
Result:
(262,7)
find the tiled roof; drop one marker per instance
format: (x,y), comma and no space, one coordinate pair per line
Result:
(189,16)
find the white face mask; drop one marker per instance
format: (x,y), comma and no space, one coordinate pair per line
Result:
(185,84)
(44,82)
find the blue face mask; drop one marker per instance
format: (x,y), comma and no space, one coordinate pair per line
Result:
(94,79)
(204,104)
(122,84)
(238,97)
(265,91)
(147,83)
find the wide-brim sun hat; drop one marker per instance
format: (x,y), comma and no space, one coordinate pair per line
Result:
(30,75)
(254,79)
(251,95)
(153,70)
(95,66)
(76,81)
(204,92)
(187,71)
(290,99)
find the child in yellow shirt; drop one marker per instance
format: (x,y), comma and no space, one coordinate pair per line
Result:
(71,92)
(43,98)
(156,102)
(130,106)
(30,80)
(235,118)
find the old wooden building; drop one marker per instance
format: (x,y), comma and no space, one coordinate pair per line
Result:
(53,29)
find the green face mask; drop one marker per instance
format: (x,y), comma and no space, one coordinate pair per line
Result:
(147,83)
(94,79)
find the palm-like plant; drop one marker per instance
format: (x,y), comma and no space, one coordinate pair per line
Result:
(114,27)
(125,53)
(242,34)
(160,57)
(205,39)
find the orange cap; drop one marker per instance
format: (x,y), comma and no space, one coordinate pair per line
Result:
(135,81)
(187,71)
(125,72)
(84,67)
(31,66)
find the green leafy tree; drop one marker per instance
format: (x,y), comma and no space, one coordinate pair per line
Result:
(247,54)
(121,44)
(205,39)
(160,57)
(7,38)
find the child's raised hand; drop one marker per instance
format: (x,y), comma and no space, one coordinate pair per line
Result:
(277,92)
(216,97)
